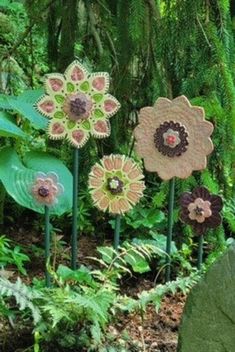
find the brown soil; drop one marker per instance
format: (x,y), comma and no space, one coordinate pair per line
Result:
(158,331)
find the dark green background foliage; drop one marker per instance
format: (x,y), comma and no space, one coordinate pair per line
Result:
(151,48)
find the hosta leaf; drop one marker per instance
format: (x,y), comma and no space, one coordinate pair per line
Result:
(17,178)
(8,128)
(31,95)
(24,106)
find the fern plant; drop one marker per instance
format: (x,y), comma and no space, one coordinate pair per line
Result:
(155,295)
(12,256)
(23,295)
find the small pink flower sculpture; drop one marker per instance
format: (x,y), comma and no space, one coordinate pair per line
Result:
(46,189)
(173,138)
(200,209)
(77,104)
(116,184)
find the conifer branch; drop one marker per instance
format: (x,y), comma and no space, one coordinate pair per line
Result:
(204,33)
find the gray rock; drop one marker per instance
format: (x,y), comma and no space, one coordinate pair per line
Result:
(208,322)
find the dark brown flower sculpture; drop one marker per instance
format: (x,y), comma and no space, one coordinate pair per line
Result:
(200,209)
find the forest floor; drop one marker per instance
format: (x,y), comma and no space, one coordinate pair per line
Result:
(155,332)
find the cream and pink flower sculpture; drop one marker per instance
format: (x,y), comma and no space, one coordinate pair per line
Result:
(172,137)
(77,105)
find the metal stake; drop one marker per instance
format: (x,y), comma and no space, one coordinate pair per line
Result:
(47,245)
(170,227)
(117,232)
(200,252)
(74,239)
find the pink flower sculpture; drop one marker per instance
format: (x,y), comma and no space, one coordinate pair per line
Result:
(46,189)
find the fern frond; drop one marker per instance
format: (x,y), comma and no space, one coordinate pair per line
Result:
(136,24)
(23,295)
(155,295)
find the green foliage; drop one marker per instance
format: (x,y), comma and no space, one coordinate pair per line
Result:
(131,257)
(8,128)
(76,311)
(12,256)
(23,295)
(24,108)
(229,214)
(140,220)
(138,13)
(155,295)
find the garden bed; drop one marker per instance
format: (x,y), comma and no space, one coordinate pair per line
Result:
(155,331)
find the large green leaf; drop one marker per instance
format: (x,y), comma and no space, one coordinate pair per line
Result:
(8,128)
(31,95)
(24,106)
(17,178)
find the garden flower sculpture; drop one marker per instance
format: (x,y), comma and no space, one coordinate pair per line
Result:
(77,104)
(201,210)
(116,184)
(173,138)
(46,189)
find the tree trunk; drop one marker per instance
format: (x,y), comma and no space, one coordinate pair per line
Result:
(68,33)
(53,34)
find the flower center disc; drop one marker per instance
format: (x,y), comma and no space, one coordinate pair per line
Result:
(114,185)
(171,139)
(199,211)
(77,107)
(43,192)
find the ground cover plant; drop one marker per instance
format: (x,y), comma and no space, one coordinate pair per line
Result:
(117,194)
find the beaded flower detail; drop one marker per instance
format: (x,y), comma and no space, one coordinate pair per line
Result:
(46,189)
(77,104)
(173,138)
(200,209)
(116,184)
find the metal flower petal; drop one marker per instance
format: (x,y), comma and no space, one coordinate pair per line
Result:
(173,138)
(77,104)
(116,184)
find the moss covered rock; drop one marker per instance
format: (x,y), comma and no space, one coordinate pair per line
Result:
(208,323)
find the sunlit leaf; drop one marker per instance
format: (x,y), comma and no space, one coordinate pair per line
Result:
(8,128)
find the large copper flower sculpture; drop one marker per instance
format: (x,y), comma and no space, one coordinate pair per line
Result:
(116,184)
(200,209)
(46,189)
(77,104)
(173,138)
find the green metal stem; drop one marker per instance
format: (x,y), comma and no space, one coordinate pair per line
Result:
(170,227)
(200,252)
(47,245)
(117,232)
(74,239)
